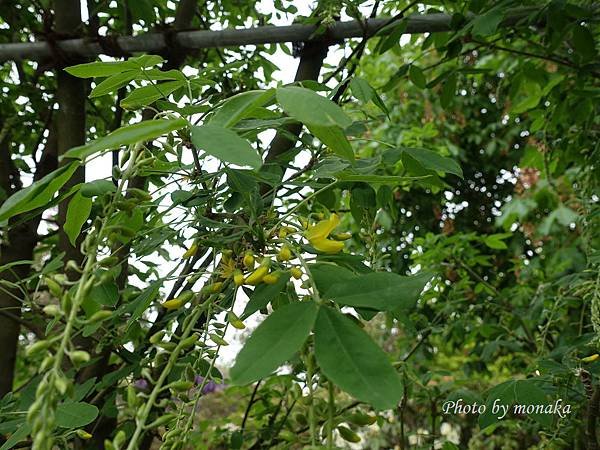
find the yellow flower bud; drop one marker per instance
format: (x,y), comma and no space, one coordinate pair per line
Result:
(83,434)
(296,273)
(257,276)
(285,254)
(249,260)
(591,358)
(270,278)
(173,303)
(190,251)
(238,278)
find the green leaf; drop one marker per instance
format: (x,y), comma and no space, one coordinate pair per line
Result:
(487,23)
(139,132)
(528,97)
(100,69)
(113,83)
(225,145)
(349,357)
(583,42)
(75,414)
(149,94)
(310,108)
(448,91)
(263,294)
(239,107)
(417,77)
(274,342)
(97,187)
(38,194)
(361,89)
(376,179)
(19,435)
(78,212)
(495,241)
(432,160)
(334,138)
(383,291)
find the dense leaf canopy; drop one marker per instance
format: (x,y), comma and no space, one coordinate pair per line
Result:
(396,245)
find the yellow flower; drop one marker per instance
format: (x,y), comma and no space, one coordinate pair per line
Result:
(317,235)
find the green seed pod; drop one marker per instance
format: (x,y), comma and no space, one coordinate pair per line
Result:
(186,296)
(79,357)
(52,310)
(181,386)
(120,438)
(37,347)
(109,261)
(116,172)
(189,341)
(83,434)
(163,420)
(157,337)
(99,316)
(131,397)
(218,339)
(61,385)
(46,363)
(362,419)
(109,445)
(139,194)
(54,288)
(347,434)
(167,346)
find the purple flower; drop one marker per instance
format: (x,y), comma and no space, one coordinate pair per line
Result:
(209,386)
(141,385)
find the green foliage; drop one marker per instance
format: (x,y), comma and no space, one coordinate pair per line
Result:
(431,234)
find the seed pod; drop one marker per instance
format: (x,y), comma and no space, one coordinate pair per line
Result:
(61,385)
(37,347)
(139,194)
(296,273)
(270,278)
(180,386)
(218,339)
(54,288)
(347,434)
(52,310)
(362,419)
(213,288)
(235,321)
(109,261)
(248,260)
(83,434)
(238,278)
(99,316)
(186,296)
(168,346)
(285,254)
(79,357)
(157,337)
(120,438)
(190,251)
(46,363)
(189,341)
(131,397)
(109,445)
